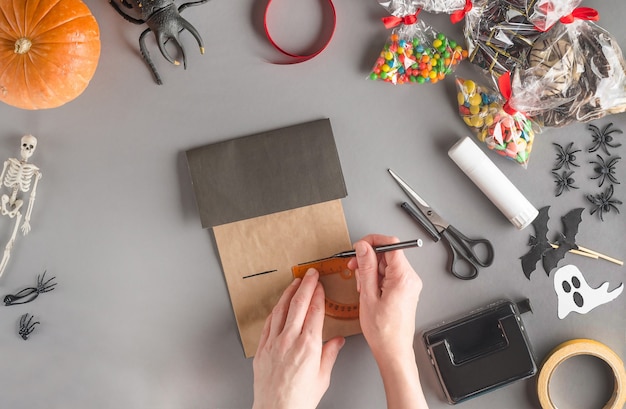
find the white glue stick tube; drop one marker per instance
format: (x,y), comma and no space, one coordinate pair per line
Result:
(493,183)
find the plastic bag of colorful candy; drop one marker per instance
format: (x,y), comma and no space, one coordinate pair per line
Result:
(507,132)
(414,52)
(500,33)
(575,72)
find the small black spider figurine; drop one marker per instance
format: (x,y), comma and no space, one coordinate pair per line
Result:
(28,294)
(602,138)
(564,181)
(605,170)
(565,156)
(27,326)
(603,202)
(162,18)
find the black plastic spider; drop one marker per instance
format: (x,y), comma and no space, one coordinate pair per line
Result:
(564,181)
(605,170)
(603,202)
(565,156)
(30,292)
(602,139)
(27,326)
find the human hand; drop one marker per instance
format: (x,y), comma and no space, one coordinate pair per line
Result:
(292,366)
(389,292)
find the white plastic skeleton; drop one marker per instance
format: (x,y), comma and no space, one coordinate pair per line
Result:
(18,176)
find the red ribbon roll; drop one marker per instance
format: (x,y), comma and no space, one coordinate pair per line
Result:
(460,14)
(299,58)
(393,21)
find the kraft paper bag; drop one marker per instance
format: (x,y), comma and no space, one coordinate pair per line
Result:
(272,244)
(273,200)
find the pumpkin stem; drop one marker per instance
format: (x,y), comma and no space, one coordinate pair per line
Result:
(22,45)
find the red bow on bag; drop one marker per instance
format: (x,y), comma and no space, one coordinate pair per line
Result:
(460,14)
(393,21)
(581,13)
(504,84)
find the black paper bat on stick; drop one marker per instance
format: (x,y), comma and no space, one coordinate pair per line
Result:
(566,241)
(539,242)
(541,246)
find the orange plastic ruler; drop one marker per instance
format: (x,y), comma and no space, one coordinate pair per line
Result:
(331,266)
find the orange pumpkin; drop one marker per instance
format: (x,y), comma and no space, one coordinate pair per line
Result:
(49,50)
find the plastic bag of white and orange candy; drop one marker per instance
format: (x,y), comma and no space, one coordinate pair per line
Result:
(505,131)
(414,52)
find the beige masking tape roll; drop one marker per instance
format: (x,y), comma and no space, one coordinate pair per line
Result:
(583,347)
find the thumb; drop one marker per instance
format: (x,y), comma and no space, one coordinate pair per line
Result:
(330,351)
(367,268)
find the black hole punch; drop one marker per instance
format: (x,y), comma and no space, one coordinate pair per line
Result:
(524,306)
(578,299)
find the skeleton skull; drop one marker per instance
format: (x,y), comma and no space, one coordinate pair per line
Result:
(574,294)
(29,144)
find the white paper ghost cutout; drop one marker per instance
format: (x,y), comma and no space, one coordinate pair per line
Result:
(574,294)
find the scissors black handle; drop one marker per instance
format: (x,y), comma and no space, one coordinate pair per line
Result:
(463,251)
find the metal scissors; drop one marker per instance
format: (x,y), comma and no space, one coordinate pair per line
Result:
(463,248)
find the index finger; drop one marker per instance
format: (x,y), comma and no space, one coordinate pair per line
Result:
(314,321)
(280,310)
(300,303)
(389,257)
(380,239)
(374,240)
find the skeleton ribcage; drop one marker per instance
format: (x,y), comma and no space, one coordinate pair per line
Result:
(19,175)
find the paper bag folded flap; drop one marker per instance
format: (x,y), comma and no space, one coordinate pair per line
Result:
(266,173)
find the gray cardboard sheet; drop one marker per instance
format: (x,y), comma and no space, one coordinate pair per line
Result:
(265,173)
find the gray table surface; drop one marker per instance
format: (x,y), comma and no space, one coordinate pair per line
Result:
(141,316)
